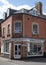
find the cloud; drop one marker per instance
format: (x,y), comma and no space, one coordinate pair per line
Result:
(7,5)
(24,6)
(4,1)
(44,13)
(4,7)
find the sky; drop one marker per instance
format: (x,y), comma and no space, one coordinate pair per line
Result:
(18,4)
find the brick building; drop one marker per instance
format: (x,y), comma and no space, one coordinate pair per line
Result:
(0,33)
(23,33)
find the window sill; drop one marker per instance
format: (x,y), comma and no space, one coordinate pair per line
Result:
(17,32)
(3,36)
(34,33)
(34,55)
(6,53)
(8,35)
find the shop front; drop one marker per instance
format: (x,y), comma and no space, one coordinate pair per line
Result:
(23,47)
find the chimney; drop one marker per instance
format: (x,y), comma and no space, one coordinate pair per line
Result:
(39,7)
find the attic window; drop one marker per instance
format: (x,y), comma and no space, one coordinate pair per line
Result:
(8,12)
(34,12)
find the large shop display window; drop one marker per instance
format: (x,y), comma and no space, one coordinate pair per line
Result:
(34,49)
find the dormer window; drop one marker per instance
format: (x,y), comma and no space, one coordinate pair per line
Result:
(34,12)
(4,15)
(23,10)
(8,12)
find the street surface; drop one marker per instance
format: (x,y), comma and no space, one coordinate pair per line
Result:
(31,61)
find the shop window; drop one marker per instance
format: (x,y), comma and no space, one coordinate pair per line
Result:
(34,49)
(6,47)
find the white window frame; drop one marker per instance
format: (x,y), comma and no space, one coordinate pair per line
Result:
(5,49)
(14,26)
(32,47)
(8,30)
(8,12)
(37,29)
(3,31)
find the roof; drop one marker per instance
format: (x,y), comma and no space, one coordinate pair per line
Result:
(32,12)
(1,20)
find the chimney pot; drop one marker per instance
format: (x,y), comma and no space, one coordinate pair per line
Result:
(39,7)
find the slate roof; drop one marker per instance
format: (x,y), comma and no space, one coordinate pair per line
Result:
(32,11)
(1,20)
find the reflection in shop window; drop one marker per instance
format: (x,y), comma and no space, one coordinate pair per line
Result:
(39,49)
(6,47)
(34,49)
(29,49)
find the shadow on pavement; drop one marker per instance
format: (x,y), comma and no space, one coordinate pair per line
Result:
(35,60)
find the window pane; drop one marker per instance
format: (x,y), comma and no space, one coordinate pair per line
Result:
(6,47)
(35,28)
(3,31)
(34,49)
(15,47)
(9,29)
(16,53)
(17,27)
(18,24)
(19,53)
(29,48)
(39,49)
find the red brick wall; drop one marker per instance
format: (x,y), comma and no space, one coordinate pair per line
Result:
(0,29)
(27,26)
(27,22)
(5,24)
(18,17)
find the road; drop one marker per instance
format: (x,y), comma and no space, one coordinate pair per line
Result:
(32,61)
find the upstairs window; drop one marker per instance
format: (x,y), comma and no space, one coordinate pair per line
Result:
(3,33)
(9,29)
(35,29)
(17,27)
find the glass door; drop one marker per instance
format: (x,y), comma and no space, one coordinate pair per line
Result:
(17,51)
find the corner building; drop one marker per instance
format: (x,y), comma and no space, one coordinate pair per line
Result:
(24,33)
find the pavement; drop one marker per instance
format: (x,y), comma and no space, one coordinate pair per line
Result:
(31,61)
